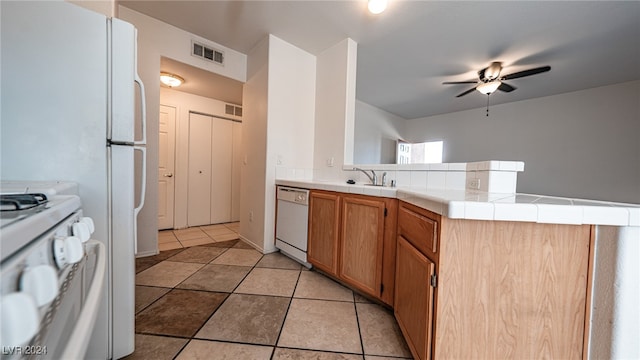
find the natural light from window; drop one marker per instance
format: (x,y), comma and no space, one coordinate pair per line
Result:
(421,153)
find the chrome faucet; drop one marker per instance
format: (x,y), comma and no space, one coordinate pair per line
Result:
(374,178)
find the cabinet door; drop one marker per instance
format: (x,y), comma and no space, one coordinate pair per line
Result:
(324,222)
(414,297)
(362,243)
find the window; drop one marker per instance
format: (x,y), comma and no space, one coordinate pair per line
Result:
(421,153)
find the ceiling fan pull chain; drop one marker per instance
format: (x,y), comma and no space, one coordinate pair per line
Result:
(488,104)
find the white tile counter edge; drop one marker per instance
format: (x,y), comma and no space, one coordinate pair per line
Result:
(476,205)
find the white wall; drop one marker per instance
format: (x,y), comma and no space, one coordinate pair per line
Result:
(278,130)
(583,144)
(335,110)
(184,103)
(290,131)
(252,194)
(615,320)
(157,39)
(376,135)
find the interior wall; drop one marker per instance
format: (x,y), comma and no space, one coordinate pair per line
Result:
(157,39)
(184,103)
(583,144)
(335,110)
(615,294)
(376,135)
(252,194)
(291,118)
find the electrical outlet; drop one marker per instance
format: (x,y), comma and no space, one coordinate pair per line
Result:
(330,162)
(250,216)
(473,184)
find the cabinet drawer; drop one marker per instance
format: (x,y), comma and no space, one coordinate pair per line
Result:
(419,230)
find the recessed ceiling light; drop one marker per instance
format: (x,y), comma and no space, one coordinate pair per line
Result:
(171,80)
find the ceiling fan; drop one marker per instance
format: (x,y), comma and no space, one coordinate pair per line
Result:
(489,79)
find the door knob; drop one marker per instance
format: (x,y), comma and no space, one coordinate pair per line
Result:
(168,175)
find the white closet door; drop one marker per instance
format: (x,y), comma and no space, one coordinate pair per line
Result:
(236,166)
(199,192)
(221,165)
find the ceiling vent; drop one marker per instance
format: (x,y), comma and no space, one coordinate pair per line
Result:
(233,110)
(207,53)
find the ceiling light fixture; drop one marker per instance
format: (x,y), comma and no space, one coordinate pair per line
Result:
(377,6)
(489,87)
(171,80)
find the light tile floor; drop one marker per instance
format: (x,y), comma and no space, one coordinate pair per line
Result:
(178,239)
(225,300)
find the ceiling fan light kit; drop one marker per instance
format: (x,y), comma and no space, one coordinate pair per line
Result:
(489,87)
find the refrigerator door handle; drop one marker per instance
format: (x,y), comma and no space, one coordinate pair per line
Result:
(143,110)
(143,189)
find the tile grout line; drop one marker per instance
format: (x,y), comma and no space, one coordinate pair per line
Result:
(355,309)
(286,313)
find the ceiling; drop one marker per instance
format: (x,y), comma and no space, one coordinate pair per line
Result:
(204,83)
(405,53)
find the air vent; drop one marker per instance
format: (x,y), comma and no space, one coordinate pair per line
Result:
(233,110)
(207,53)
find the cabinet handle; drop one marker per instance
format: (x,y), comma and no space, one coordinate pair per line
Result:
(168,175)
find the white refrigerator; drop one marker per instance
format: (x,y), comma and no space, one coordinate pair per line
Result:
(70,110)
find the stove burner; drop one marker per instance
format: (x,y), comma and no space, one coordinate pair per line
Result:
(17,202)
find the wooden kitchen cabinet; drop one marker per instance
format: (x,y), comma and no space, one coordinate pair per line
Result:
(416,279)
(352,238)
(324,230)
(414,298)
(504,289)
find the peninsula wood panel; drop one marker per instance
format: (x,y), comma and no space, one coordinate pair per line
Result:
(324,225)
(511,290)
(362,243)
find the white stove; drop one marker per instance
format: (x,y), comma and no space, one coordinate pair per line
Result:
(51,271)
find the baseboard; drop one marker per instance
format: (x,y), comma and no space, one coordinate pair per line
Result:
(147,253)
(254,245)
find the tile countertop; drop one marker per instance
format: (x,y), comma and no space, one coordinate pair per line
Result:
(477,205)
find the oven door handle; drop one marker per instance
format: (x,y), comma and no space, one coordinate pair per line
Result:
(79,340)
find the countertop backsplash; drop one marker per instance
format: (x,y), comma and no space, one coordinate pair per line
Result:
(489,176)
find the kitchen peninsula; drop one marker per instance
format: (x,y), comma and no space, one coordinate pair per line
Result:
(482,272)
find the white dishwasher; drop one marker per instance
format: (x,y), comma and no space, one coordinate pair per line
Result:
(292,223)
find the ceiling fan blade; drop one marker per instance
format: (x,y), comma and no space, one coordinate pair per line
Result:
(459,82)
(466,92)
(506,87)
(529,72)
